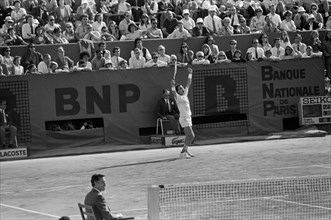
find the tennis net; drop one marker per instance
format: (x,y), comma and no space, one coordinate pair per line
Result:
(282,198)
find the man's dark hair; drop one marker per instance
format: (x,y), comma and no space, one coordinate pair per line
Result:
(84,53)
(116,48)
(95,178)
(101,43)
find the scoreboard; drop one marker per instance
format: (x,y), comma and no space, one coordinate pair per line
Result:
(315,110)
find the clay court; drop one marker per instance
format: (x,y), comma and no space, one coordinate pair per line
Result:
(51,187)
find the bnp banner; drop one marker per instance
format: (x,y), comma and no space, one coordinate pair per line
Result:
(89,108)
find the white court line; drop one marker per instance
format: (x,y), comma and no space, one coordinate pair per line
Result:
(299,203)
(49,189)
(118,211)
(27,210)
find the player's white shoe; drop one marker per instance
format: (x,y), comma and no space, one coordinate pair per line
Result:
(191,155)
(184,155)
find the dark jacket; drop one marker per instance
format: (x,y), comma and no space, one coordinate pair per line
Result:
(196,32)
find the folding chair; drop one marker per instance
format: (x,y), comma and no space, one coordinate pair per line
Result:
(159,123)
(87,213)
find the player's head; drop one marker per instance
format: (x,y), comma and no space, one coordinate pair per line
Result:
(180,89)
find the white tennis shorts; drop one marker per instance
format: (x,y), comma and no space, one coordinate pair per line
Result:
(185,121)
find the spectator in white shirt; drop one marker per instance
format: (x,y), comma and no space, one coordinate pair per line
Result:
(155,62)
(162,55)
(288,24)
(277,50)
(212,21)
(116,59)
(137,61)
(28,29)
(180,32)
(187,21)
(274,17)
(200,59)
(43,66)
(257,52)
(298,45)
(309,53)
(98,23)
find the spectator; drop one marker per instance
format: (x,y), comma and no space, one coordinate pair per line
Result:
(69,33)
(193,7)
(207,53)
(28,5)
(257,52)
(51,25)
(62,13)
(155,62)
(116,58)
(298,45)
(314,41)
(51,5)
(284,39)
(145,22)
(235,18)
(280,9)
(32,56)
(138,43)
(274,17)
(133,33)
(301,18)
(43,66)
(187,21)
(105,35)
(18,13)
(200,59)
(102,46)
(107,56)
(277,50)
(169,24)
(124,24)
(233,47)
(151,7)
(180,32)
(28,29)
(13,38)
(31,69)
(7,60)
(243,28)
(122,7)
(17,69)
(269,26)
(312,24)
(6,124)
(212,21)
(91,35)
(53,67)
(173,61)
(113,30)
(211,43)
(164,6)
(41,37)
(249,57)
(314,11)
(98,61)
(226,29)
(199,29)
(221,58)
(258,21)
(185,55)
(264,42)
(84,64)
(81,29)
(64,62)
(288,24)
(328,23)
(268,56)
(137,61)
(95,199)
(136,8)
(237,57)
(162,55)
(327,52)
(83,10)
(8,24)
(58,37)
(3,68)
(98,23)
(154,32)
(108,65)
(124,65)
(40,13)
(166,109)
(309,53)
(290,54)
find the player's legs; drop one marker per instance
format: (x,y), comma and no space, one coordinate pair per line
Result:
(186,123)
(2,136)
(13,132)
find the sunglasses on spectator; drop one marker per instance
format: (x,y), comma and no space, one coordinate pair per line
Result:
(199,56)
(313,8)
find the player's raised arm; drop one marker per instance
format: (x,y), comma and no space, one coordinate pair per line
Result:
(189,78)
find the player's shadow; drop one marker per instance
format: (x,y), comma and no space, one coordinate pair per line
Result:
(138,163)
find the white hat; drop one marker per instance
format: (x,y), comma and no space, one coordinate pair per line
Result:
(84,2)
(186,11)
(311,16)
(301,9)
(108,62)
(8,18)
(199,20)
(212,8)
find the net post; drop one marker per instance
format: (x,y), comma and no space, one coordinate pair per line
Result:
(153,203)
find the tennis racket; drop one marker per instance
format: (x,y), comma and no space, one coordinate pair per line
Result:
(175,71)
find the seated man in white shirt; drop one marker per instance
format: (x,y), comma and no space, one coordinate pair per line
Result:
(180,32)
(277,50)
(309,53)
(155,62)
(28,29)
(116,59)
(137,61)
(257,52)
(43,66)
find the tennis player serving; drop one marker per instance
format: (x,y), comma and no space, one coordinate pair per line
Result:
(185,120)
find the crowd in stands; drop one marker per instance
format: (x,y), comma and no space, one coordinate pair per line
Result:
(35,22)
